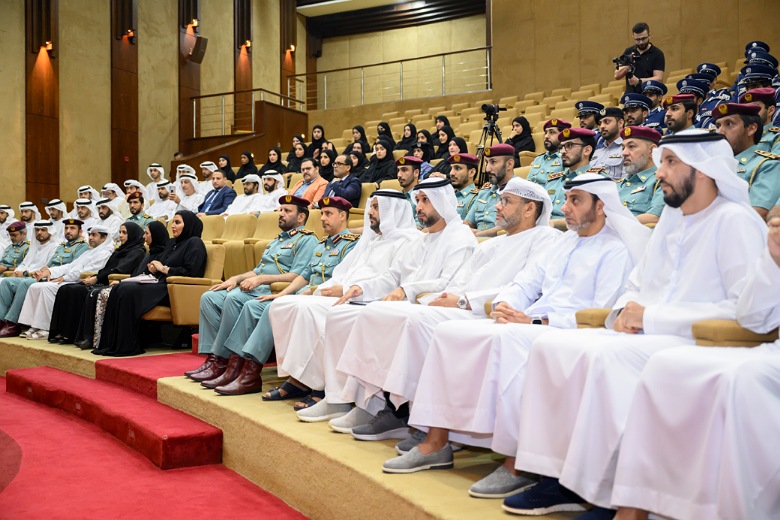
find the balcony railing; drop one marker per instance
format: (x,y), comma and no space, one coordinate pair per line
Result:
(458,72)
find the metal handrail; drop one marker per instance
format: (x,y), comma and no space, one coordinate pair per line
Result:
(262,90)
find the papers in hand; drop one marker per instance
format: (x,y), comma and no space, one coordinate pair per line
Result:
(141,278)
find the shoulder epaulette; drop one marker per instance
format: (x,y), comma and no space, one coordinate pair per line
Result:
(292,232)
(322,240)
(774,129)
(26,242)
(147,216)
(486,186)
(350,236)
(475,191)
(307,232)
(596,169)
(63,243)
(768,155)
(80,241)
(554,176)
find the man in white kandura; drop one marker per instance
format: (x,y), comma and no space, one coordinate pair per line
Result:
(472,377)
(298,322)
(707,415)
(273,184)
(387,346)
(580,383)
(248,202)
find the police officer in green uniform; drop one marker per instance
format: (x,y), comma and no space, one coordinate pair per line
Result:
(500,165)
(14,290)
(17,250)
(577,145)
(283,260)
(741,125)
(549,163)
(764,98)
(251,341)
(463,170)
(135,201)
(639,190)
(408,174)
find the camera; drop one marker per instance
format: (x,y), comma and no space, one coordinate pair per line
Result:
(491,111)
(626,60)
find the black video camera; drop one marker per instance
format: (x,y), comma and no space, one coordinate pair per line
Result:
(626,60)
(491,111)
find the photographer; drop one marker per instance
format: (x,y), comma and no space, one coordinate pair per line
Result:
(641,62)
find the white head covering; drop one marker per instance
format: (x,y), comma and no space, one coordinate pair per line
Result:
(87,187)
(442,197)
(209,165)
(110,204)
(619,218)
(156,166)
(90,204)
(43,224)
(251,178)
(532,191)
(190,177)
(55,204)
(184,168)
(99,228)
(10,211)
(116,189)
(163,183)
(275,175)
(30,205)
(141,187)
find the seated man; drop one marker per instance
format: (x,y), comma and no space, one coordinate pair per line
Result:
(250,340)
(6,219)
(635,109)
(156,172)
(764,99)
(549,163)
(165,207)
(283,260)
(56,211)
(742,127)
(14,254)
(655,92)
(463,171)
(311,187)
(86,212)
(207,169)
(577,145)
(639,189)
(217,200)
(114,193)
(273,184)
(46,242)
(109,217)
(579,384)
(298,322)
(500,165)
(39,302)
(29,214)
(436,256)
(250,201)
(680,112)
(135,201)
(607,156)
(385,350)
(344,184)
(134,186)
(472,378)
(186,193)
(720,460)
(14,290)
(588,114)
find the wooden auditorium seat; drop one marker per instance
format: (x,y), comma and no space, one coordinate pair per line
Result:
(213,226)
(237,228)
(266,229)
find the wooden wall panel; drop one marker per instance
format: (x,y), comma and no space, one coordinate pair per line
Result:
(124,103)
(12,93)
(189,84)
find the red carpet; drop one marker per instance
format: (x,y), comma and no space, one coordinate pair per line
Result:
(140,374)
(72,470)
(167,437)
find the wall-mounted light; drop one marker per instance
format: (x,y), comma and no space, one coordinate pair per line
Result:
(42,21)
(248,44)
(292,48)
(48,46)
(194,22)
(124,14)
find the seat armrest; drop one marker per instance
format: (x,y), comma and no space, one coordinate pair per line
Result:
(488,307)
(252,241)
(218,240)
(592,318)
(117,277)
(9,273)
(191,280)
(728,333)
(278,287)
(357,211)
(86,275)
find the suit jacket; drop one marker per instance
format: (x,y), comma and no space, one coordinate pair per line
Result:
(314,192)
(347,188)
(220,200)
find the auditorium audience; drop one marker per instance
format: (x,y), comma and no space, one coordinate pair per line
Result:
(317,138)
(383,131)
(381,166)
(408,138)
(326,164)
(224,165)
(294,162)
(444,135)
(247,167)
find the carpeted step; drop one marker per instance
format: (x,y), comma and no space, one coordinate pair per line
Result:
(167,437)
(140,374)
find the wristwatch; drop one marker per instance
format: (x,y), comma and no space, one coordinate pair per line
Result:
(537,321)
(463,303)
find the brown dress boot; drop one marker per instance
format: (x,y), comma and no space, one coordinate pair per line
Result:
(235,364)
(249,381)
(206,364)
(216,370)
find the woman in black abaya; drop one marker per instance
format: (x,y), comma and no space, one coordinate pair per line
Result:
(408,138)
(185,255)
(71,301)
(247,165)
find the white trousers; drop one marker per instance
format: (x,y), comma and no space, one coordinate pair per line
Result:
(471,382)
(701,436)
(39,305)
(576,399)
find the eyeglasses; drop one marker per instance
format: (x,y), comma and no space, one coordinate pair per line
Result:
(569,145)
(338,163)
(642,39)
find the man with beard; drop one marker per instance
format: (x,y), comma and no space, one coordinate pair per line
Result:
(500,167)
(14,253)
(135,201)
(28,213)
(549,163)
(273,184)
(108,217)
(6,219)
(680,112)
(463,171)
(635,109)
(344,184)
(639,190)
(764,98)
(577,145)
(655,92)
(408,173)
(165,207)
(250,201)
(155,172)
(649,62)
(607,156)
(699,90)
(86,212)
(588,114)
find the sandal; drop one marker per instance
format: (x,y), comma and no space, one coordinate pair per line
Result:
(310,400)
(28,333)
(39,334)
(292,392)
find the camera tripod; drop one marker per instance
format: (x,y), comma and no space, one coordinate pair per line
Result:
(489,132)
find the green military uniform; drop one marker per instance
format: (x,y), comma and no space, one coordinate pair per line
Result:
(639,193)
(483,211)
(555,184)
(545,165)
(142,219)
(413,203)
(252,335)
(466,198)
(289,252)
(14,254)
(68,251)
(770,139)
(761,169)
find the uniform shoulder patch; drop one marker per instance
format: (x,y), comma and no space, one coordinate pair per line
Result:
(486,186)
(596,169)
(554,176)
(474,191)
(775,129)
(350,236)
(768,155)
(147,216)
(322,240)
(307,232)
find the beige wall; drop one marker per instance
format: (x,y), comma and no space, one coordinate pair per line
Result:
(217,69)
(85,95)
(158,80)
(12,144)
(265,47)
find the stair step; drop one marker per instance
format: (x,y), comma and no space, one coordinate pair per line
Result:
(167,437)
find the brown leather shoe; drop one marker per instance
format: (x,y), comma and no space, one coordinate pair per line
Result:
(10,330)
(206,364)
(213,372)
(235,364)
(249,381)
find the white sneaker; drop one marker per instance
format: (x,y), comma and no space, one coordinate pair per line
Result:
(323,411)
(345,423)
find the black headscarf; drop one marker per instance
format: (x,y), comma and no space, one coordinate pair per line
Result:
(294,162)
(276,166)
(361,164)
(364,147)
(159,243)
(193,226)
(247,168)
(426,149)
(360,129)
(326,172)
(443,119)
(386,132)
(127,255)
(185,254)
(381,169)
(316,144)
(228,169)
(524,141)
(429,137)
(292,150)
(406,142)
(441,151)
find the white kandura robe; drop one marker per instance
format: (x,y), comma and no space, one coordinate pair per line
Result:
(701,437)
(39,301)
(270,201)
(471,381)
(298,322)
(190,202)
(387,347)
(162,208)
(245,204)
(580,383)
